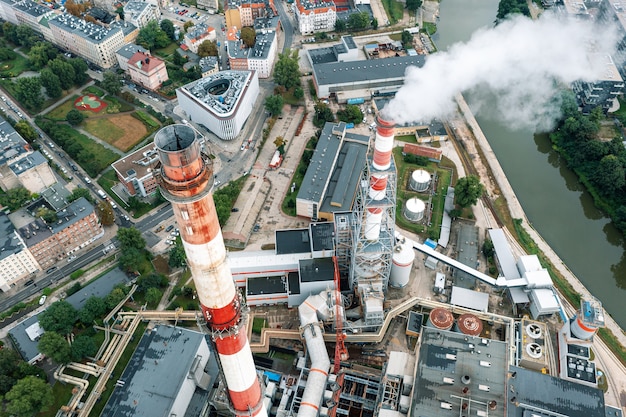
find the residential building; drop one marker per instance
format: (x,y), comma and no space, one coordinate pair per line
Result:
(134,171)
(13,148)
(221,102)
(77,226)
(600,93)
(207,5)
(313,16)
(147,71)
(27,12)
(31,172)
(613,13)
(95,43)
(129,30)
(198,34)
(7,12)
(259,58)
(126,52)
(139,13)
(209,65)
(16,261)
(331,180)
(242,13)
(25,337)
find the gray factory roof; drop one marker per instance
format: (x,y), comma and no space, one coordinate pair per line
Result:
(99,288)
(322,162)
(220,92)
(366,70)
(127,51)
(467,298)
(323,236)
(319,269)
(11,143)
(28,162)
(82,28)
(32,8)
(266,285)
(292,241)
(446,361)
(342,187)
(504,254)
(56,195)
(155,373)
(613,411)
(26,336)
(327,54)
(467,254)
(37,230)
(536,393)
(9,242)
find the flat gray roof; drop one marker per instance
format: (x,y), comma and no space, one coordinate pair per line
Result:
(292,241)
(11,143)
(365,70)
(26,347)
(99,288)
(87,30)
(9,242)
(467,254)
(504,254)
(537,393)
(32,8)
(155,373)
(323,236)
(56,195)
(319,269)
(458,357)
(266,285)
(474,300)
(28,162)
(342,187)
(127,51)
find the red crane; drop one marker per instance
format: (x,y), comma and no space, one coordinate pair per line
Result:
(341,353)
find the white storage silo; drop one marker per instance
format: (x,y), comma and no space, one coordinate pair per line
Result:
(420,180)
(402,262)
(414,209)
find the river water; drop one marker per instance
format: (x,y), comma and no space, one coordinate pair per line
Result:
(553,199)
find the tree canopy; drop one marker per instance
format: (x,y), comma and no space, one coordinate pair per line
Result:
(78,193)
(413,5)
(94,307)
(29,396)
(74,117)
(111,82)
(12,369)
(51,83)
(506,8)
(177,256)
(274,104)
(129,237)
(15,198)
(207,48)
(26,131)
(54,346)
(168,27)
(152,36)
(248,36)
(468,190)
(358,21)
(83,346)
(59,317)
(350,114)
(28,91)
(105,213)
(323,114)
(286,70)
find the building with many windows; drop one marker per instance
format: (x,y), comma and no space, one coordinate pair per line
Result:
(242,13)
(31,172)
(315,16)
(27,12)
(95,43)
(260,57)
(147,71)
(135,171)
(126,52)
(16,261)
(221,102)
(197,34)
(139,13)
(13,148)
(602,92)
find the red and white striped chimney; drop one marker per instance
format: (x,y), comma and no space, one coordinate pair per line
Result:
(186,180)
(383,145)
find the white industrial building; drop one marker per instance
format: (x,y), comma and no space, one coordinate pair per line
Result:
(221,102)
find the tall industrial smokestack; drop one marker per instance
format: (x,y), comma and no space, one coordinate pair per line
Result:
(383,146)
(186,179)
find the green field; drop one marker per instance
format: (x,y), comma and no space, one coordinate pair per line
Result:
(103,129)
(59,112)
(14,67)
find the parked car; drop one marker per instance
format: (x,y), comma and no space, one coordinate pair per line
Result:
(169,228)
(42,300)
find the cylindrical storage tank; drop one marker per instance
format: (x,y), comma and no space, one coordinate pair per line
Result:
(414,209)
(402,262)
(441,319)
(582,330)
(420,180)
(469,324)
(405,403)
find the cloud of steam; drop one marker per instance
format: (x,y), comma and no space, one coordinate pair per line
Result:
(514,70)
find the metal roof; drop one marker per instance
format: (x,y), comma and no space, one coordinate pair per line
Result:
(474,300)
(541,394)
(9,242)
(467,254)
(99,288)
(266,285)
(320,269)
(155,373)
(354,72)
(504,254)
(322,236)
(293,241)
(449,362)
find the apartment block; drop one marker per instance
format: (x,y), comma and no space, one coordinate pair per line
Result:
(147,70)
(135,171)
(16,261)
(312,16)
(139,13)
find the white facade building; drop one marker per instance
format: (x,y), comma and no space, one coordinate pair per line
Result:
(315,17)
(16,261)
(139,13)
(221,102)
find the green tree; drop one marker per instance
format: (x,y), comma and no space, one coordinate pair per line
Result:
(340,25)
(130,238)
(78,193)
(298,92)
(274,104)
(47,215)
(207,48)
(59,317)
(248,36)
(94,307)
(115,297)
(41,53)
(51,83)
(168,27)
(82,347)
(28,91)
(111,82)
(152,36)
(179,59)
(413,5)
(286,70)
(151,280)
(488,248)
(374,23)
(80,70)
(507,8)
(350,114)
(29,396)
(26,35)
(153,296)
(26,131)
(177,256)
(54,346)
(74,117)
(187,25)
(12,369)
(131,259)
(15,198)
(468,190)
(609,175)
(323,114)
(10,33)
(407,39)
(64,70)
(105,213)
(358,21)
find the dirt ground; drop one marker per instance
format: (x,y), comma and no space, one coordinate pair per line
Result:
(128,130)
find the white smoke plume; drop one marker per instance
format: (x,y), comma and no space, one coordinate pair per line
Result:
(513,69)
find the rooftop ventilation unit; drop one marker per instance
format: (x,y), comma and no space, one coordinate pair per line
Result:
(534,331)
(534,350)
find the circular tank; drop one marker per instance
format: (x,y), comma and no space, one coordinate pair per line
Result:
(420,180)
(402,261)
(582,330)
(414,209)
(469,324)
(441,319)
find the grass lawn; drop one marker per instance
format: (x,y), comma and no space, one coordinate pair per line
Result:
(59,112)
(167,51)
(94,90)
(107,180)
(394,10)
(407,138)
(14,67)
(103,129)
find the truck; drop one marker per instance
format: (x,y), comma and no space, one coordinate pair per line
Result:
(356,101)
(277,158)
(350,126)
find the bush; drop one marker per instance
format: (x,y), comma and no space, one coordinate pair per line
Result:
(77,274)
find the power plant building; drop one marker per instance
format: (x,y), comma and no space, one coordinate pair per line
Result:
(221,102)
(333,174)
